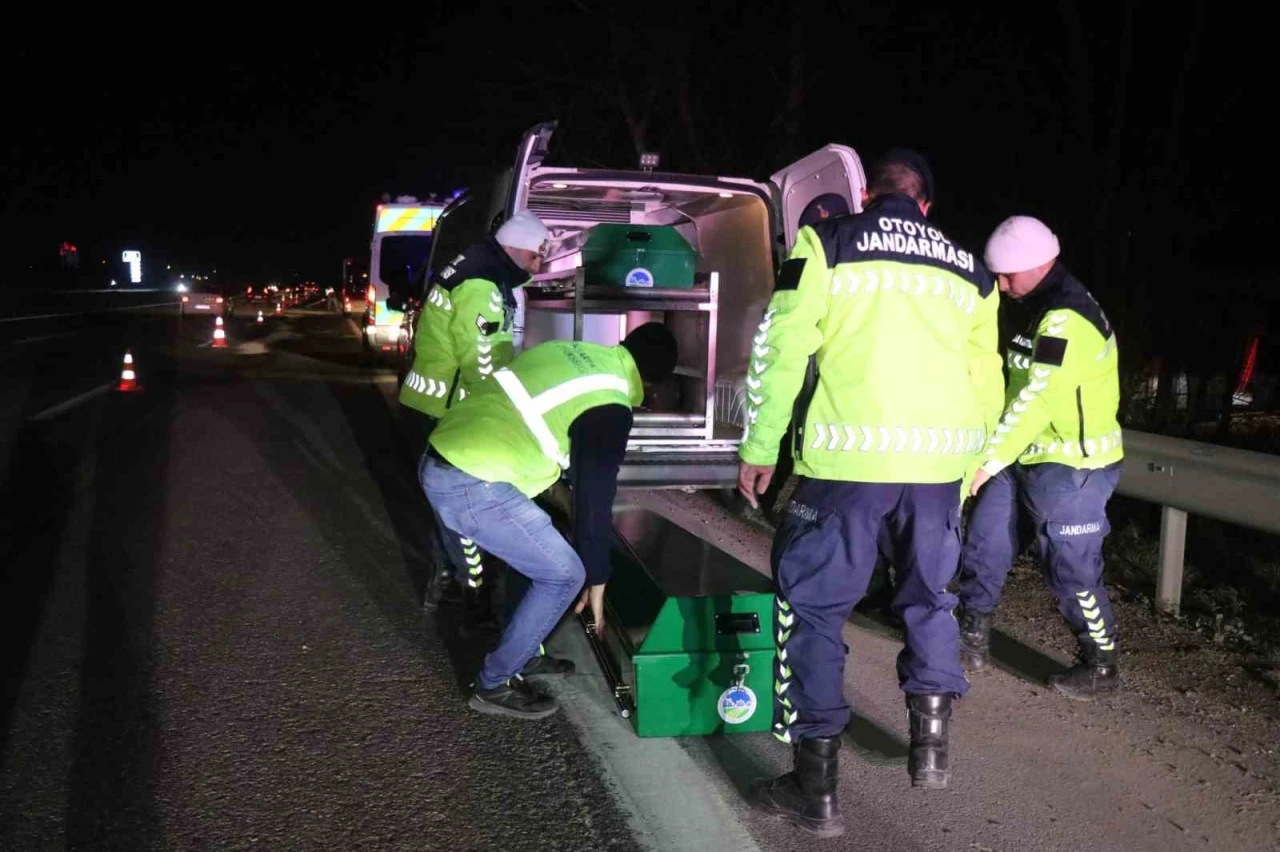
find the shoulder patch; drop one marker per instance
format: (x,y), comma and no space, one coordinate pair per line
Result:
(1051,351)
(485,326)
(789,276)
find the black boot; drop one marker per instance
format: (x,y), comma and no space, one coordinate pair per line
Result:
(1095,673)
(975,639)
(928,717)
(479,617)
(806,796)
(442,589)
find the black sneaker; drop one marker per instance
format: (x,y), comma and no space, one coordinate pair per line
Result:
(515,698)
(545,664)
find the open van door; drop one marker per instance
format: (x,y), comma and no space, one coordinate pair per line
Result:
(835,168)
(530,154)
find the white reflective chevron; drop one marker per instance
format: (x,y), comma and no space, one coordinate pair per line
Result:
(1090,614)
(820,436)
(1087,600)
(864,438)
(848,282)
(1096,625)
(756,399)
(430,387)
(439,299)
(760,351)
(754,383)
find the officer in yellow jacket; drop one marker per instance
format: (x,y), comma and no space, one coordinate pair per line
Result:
(1056,458)
(903,326)
(464,335)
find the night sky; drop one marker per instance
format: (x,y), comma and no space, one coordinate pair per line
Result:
(259,146)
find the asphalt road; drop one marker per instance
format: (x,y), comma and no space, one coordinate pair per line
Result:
(213,641)
(211,594)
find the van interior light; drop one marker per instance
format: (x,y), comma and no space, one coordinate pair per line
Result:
(559,186)
(648,161)
(726,195)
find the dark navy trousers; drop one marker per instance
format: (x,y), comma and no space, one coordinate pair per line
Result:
(1067,508)
(823,557)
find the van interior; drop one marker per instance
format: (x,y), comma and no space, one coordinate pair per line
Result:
(727,225)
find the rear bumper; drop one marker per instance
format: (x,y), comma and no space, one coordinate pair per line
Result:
(380,336)
(704,470)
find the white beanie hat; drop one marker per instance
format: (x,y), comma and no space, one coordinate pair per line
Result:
(1020,243)
(523,231)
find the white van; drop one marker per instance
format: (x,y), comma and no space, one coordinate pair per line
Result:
(599,283)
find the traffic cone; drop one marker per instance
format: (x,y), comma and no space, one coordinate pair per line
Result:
(219,335)
(278,307)
(128,379)
(259,316)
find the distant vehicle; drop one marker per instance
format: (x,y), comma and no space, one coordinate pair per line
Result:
(401,247)
(204,302)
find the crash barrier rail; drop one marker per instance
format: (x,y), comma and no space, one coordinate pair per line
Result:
(1188,477)
(20,305)
(1182,477)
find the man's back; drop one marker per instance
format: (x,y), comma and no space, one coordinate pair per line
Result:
(515,428)
(903,325)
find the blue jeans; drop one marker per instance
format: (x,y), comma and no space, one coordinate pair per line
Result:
(506,523)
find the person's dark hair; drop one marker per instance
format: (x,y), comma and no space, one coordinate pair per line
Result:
(654,350)
(903,171)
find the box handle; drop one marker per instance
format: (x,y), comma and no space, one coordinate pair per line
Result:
(639,236)
(733,623)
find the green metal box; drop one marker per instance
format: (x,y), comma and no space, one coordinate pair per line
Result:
(689,639)
(638,256)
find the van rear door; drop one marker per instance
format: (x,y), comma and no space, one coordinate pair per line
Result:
(529,155)
(834,168)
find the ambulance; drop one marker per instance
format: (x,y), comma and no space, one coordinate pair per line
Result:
(402,236)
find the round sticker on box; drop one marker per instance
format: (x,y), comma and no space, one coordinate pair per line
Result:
(639,277)
(737,704)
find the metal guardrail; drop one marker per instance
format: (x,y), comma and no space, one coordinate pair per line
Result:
(1188,477)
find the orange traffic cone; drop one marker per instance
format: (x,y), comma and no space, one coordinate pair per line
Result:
(128,379)
(219,335)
